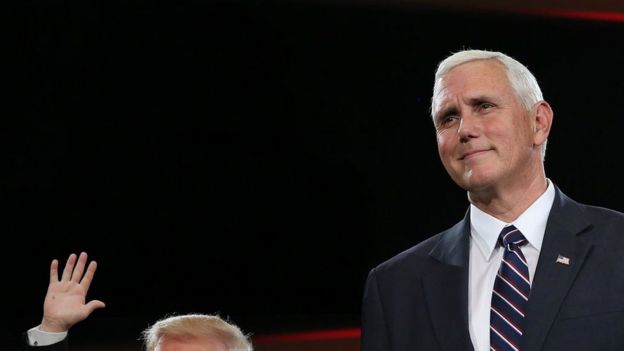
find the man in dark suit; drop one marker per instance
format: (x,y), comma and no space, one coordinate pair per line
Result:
(65,305)
(558,285)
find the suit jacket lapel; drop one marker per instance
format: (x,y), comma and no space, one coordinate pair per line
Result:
(446,288)
(553,279)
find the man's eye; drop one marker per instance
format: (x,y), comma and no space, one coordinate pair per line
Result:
(448,119)
(486,105)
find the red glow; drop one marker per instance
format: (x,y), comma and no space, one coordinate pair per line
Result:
(318,335)
(582,15)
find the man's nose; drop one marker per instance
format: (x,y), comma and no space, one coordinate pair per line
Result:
(469,127)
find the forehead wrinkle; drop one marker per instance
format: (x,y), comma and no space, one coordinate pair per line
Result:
(444,83)
(478,98)
(465,96)
(440,100)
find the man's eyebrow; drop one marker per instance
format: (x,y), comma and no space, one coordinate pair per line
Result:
(445,111)
(481,98)
(451,108)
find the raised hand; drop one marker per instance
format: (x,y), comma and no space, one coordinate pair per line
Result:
(64,303)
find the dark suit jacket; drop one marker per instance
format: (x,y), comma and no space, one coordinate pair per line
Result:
(418,300)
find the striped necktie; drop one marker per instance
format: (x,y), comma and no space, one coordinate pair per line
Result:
(510,294)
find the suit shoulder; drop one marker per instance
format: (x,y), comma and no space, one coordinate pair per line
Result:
(603,224)
(591,212)
(602,217)
(602,213)
(412,257)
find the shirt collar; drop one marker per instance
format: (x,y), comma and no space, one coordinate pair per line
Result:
(485,228)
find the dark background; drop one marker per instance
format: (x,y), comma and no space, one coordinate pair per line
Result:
(256,160)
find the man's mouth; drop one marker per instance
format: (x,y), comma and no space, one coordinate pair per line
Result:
(473,153)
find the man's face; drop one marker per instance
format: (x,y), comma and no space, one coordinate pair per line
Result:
(181,343)
(485,136)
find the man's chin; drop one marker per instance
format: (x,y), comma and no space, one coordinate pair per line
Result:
(476,183)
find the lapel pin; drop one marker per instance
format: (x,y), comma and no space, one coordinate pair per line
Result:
(563,260)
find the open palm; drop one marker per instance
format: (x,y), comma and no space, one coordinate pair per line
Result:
(64,303)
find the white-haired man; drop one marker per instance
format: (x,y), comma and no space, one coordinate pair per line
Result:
(527,268)
(65,305)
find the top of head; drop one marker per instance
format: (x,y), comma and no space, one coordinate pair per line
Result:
(521,79)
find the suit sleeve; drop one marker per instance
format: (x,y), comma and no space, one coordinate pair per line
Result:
(60,346)
(374,329)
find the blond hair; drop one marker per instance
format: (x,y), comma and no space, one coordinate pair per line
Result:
(197,325)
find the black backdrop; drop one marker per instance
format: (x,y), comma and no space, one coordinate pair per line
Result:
(256,160)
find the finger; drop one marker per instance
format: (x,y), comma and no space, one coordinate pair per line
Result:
(79,269)
(69,267)
(54,271)
(88,277)
(94,305)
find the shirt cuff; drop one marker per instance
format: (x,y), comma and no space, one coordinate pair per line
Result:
(38,337)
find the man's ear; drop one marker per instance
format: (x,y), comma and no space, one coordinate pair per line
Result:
(542,121)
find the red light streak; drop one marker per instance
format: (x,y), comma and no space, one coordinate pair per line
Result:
(319,335)
(581,15)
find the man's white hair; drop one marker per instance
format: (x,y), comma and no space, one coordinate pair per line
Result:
(197,325)
(522,81)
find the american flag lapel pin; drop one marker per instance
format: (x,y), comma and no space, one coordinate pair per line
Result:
(563,260)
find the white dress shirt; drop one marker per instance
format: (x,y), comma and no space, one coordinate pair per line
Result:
(486,256)
(38,337)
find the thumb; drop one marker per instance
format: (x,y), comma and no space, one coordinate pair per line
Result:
(94,305)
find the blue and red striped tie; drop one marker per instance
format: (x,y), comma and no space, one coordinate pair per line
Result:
(510,295)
